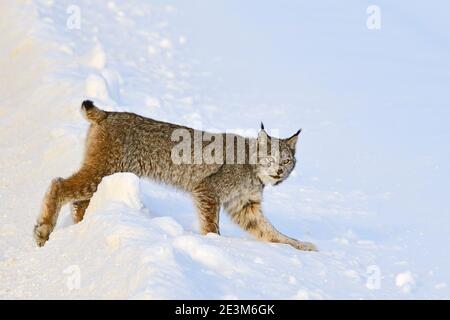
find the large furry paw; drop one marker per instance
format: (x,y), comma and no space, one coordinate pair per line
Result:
(42,233)
(304,246)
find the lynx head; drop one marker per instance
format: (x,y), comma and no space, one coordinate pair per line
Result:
(276,157)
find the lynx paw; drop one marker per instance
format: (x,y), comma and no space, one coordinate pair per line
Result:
(304,246)
(42,233)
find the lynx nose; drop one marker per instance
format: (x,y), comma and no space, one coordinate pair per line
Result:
(280,171)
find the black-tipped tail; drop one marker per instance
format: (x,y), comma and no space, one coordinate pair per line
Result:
(87,104)
(92,113)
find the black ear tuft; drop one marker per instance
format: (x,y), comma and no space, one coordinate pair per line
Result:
(298,132)
(262,126)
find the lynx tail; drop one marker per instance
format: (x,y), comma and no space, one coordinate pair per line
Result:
(92,113)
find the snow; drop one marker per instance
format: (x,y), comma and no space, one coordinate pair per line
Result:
(165,44)
(120,187)
(405,281)
(371,185)
(98,57)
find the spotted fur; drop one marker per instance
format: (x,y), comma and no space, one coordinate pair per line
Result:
(126,142)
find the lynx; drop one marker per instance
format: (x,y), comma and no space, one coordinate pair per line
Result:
(127,142)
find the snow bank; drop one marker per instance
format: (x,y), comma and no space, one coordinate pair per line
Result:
(122,188)
(121,250)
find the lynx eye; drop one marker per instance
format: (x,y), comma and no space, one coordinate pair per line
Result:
(287,161)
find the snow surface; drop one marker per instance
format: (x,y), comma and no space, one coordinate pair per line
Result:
(371,188)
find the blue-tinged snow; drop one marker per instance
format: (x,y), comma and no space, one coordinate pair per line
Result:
(371,188)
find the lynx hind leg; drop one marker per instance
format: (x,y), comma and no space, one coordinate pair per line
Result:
(246,212)
(208,208)
(79,186)
(78,210)
(50,209)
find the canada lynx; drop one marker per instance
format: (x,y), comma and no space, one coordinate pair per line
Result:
(126,142)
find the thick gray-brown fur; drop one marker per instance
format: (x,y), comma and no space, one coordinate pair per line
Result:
(127,142)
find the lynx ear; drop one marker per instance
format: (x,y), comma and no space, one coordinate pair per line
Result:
(292,141)
(262,133)
(263,140)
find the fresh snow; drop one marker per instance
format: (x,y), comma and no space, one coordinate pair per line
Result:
(372,181)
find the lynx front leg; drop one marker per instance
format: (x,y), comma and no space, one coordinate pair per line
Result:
(208,208)
(247,213)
